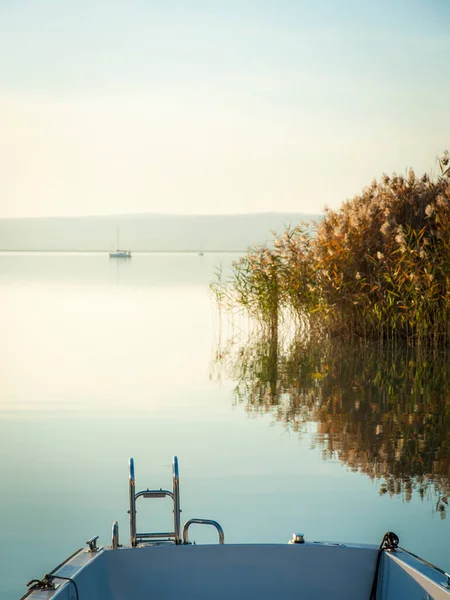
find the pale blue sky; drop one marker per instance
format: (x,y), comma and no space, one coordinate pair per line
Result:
(214,107)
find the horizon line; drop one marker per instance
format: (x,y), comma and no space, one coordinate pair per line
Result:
(158,214)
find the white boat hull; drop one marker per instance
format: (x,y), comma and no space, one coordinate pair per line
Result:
(309,571)
(166,566)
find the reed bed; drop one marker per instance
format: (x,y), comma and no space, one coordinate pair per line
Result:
(377,268)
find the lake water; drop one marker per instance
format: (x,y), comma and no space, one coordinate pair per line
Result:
(105,359)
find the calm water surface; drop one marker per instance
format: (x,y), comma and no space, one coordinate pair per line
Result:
(101,360)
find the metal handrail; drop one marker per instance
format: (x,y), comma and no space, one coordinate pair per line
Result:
(176,500)
(202,522)
(174,495)
(115,535)
(132,511)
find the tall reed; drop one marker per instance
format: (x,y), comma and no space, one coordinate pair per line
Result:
(378,268)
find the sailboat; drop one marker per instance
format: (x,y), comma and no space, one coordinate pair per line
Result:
(119,253)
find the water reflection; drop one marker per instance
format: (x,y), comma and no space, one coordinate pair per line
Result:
(384,412)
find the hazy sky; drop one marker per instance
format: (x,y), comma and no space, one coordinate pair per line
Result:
(211,107)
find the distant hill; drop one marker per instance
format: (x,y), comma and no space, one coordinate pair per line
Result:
(146,232)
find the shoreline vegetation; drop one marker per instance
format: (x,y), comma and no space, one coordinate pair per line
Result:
(348,327)
(377,269)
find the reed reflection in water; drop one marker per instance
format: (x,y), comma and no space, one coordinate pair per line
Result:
(381,411)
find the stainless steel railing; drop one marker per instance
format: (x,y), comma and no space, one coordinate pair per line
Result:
(115,536)
(132,510)
(138,537)
(202,522)
(176,500)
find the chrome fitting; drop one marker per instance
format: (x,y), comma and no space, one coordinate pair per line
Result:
(297,538)
(92,543)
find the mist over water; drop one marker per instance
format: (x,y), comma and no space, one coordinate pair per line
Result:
(146,232)
(104,359)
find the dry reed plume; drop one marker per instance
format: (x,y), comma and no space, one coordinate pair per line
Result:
(377,268)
